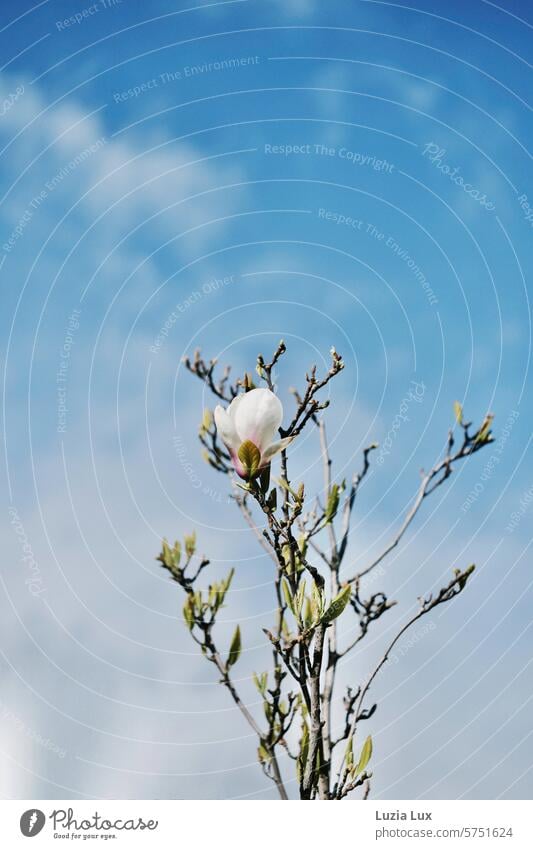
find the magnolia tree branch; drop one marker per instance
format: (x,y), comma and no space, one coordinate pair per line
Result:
(440,472)
(306,539)
(445,594)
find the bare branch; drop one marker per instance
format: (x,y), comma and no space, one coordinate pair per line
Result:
(265,369)
(308,406)
(348,505)
(368,611)
(456,586)
(432,480)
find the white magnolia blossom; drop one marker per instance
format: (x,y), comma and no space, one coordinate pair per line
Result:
(248,429)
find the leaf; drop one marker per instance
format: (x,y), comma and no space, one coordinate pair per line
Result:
(221,589)
(284,485)
(250,457)
(214,592)
(263,754)
(349,753)
(484,430)
(170,557)
(188,613)
(207,419)
(264,479)
(227,582)
(308,616)
(304,751)
(272,502)
(333,501)
(190,544)
(333,504)
(288,596)
(458,410)
(364,757)
(235,648)
(337,605)
(318,600)
(165,554)
(286,552)
(299,598)
(260,682)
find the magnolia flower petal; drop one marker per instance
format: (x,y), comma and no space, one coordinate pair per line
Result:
(226,429)
(273,449)
(258,417)
(233,407)
(238,466)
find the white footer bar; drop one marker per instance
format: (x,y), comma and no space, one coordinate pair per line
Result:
(247,824)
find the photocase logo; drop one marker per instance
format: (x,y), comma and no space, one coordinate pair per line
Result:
(32,822)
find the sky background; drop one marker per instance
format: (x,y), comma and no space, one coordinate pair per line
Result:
(142,188)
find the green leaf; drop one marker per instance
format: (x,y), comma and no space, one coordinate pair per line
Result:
(272,502)
(190,544)
(333,504)
(250,457)
(284,485)
(188,613)
(349,753)
(262,754)
(288,596)
(207,419)
(264,479)
(260,682)
(299,598)
(170,557)
(308,616)
(227,582)
(304,751)
(458,410)
(220,590)
(165,554)
(235,648)
(318,600)
(364,757)
(337,605)
(286,552)
(484,430)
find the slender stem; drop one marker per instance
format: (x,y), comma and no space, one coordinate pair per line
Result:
(316,748)
(430,482)
(228,683)
(332,659)
(366,688)
(456,586)
(257,532)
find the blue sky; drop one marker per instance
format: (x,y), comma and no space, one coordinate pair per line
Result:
(356,176)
